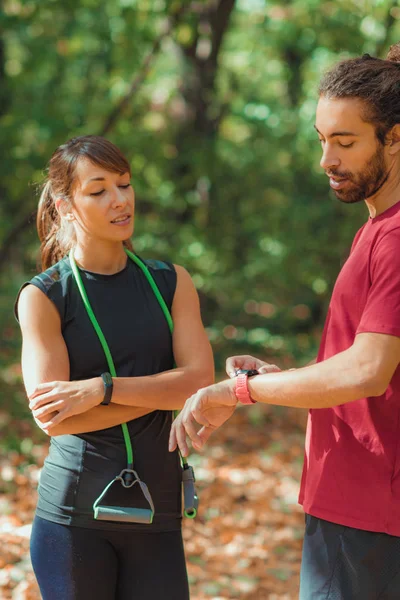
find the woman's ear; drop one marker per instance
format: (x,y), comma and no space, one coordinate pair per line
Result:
(64,209)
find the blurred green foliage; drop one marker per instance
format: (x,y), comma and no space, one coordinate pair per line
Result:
(213,102)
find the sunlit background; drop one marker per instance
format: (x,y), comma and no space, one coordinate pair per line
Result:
(213,103)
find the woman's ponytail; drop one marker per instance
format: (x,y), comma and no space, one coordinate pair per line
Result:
(55,241)
(47,223)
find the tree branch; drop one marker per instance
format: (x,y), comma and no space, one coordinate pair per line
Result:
(26,220)
(144,69)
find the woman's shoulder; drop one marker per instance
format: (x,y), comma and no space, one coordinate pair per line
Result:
(159,265)
(163,269)
(54,276)
(164,274)
(52,282)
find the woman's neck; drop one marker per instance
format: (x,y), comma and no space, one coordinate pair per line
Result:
(104,259)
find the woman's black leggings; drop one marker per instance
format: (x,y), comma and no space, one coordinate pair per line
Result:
(73,563)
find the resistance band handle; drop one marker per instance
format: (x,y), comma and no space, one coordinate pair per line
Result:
(122,513)
(190,498)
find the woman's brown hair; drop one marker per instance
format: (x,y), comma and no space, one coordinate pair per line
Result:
(57,237)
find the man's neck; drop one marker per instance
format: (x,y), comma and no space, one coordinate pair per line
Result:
(387,196)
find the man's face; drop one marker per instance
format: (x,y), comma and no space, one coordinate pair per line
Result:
(353,158)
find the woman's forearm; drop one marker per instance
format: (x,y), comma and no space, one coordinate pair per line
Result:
(100,417)
(64,407)
(168,390)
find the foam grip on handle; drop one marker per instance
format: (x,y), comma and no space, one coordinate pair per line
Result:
(123,514)
(190,498)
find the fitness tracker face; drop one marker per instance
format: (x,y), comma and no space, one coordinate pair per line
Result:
(108,388)
(248,372)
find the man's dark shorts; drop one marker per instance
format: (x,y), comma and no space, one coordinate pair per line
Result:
(342,563)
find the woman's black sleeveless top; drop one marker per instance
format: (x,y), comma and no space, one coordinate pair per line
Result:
(78,467)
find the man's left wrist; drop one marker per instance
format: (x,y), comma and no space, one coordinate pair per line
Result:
(231,383)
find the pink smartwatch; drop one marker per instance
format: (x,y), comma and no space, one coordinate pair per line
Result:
(241,387)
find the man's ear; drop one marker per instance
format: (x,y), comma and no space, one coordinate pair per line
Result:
(393,139)
(64,209)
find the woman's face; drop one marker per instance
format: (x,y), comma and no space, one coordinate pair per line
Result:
(103,203)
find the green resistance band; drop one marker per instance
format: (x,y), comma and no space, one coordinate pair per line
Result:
(188,479)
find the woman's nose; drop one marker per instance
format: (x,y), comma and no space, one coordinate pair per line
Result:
(118,197)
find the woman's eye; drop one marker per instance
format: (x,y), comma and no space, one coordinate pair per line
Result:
(97,193)
(125,186)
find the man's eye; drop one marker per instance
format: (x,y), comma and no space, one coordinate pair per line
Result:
(125,186)
(321,141)
(346,145)
(97,193)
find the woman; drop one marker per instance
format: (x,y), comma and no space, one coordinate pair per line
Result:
(85,218)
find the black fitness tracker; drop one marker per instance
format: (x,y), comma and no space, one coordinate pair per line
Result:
(108,388)
(248,372)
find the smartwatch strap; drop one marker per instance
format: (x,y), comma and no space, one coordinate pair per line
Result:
(108,388)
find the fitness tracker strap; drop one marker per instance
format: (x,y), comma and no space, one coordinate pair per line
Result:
(108,388)
(241,388)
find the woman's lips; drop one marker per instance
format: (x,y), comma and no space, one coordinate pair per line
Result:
(122,222)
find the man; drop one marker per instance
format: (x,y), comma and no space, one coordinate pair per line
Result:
(350,487)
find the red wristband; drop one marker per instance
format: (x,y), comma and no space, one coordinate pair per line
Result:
(242,390)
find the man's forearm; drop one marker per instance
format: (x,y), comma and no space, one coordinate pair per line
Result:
(100,417)
(167,390)
(337,380)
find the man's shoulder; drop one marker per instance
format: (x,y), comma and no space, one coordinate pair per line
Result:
(389,220)
(389,233)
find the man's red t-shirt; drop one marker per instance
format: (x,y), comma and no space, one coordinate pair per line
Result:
(351,472)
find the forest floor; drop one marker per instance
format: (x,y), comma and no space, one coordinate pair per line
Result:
(246,541)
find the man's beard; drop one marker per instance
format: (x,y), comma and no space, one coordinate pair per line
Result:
(366,183)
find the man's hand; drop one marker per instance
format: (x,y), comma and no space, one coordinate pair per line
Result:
(210,407)
(55,401)
(248,362)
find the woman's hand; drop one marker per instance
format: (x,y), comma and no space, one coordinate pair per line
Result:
(248,362)
(53,402)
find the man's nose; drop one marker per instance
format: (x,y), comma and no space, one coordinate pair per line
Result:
(329,158)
